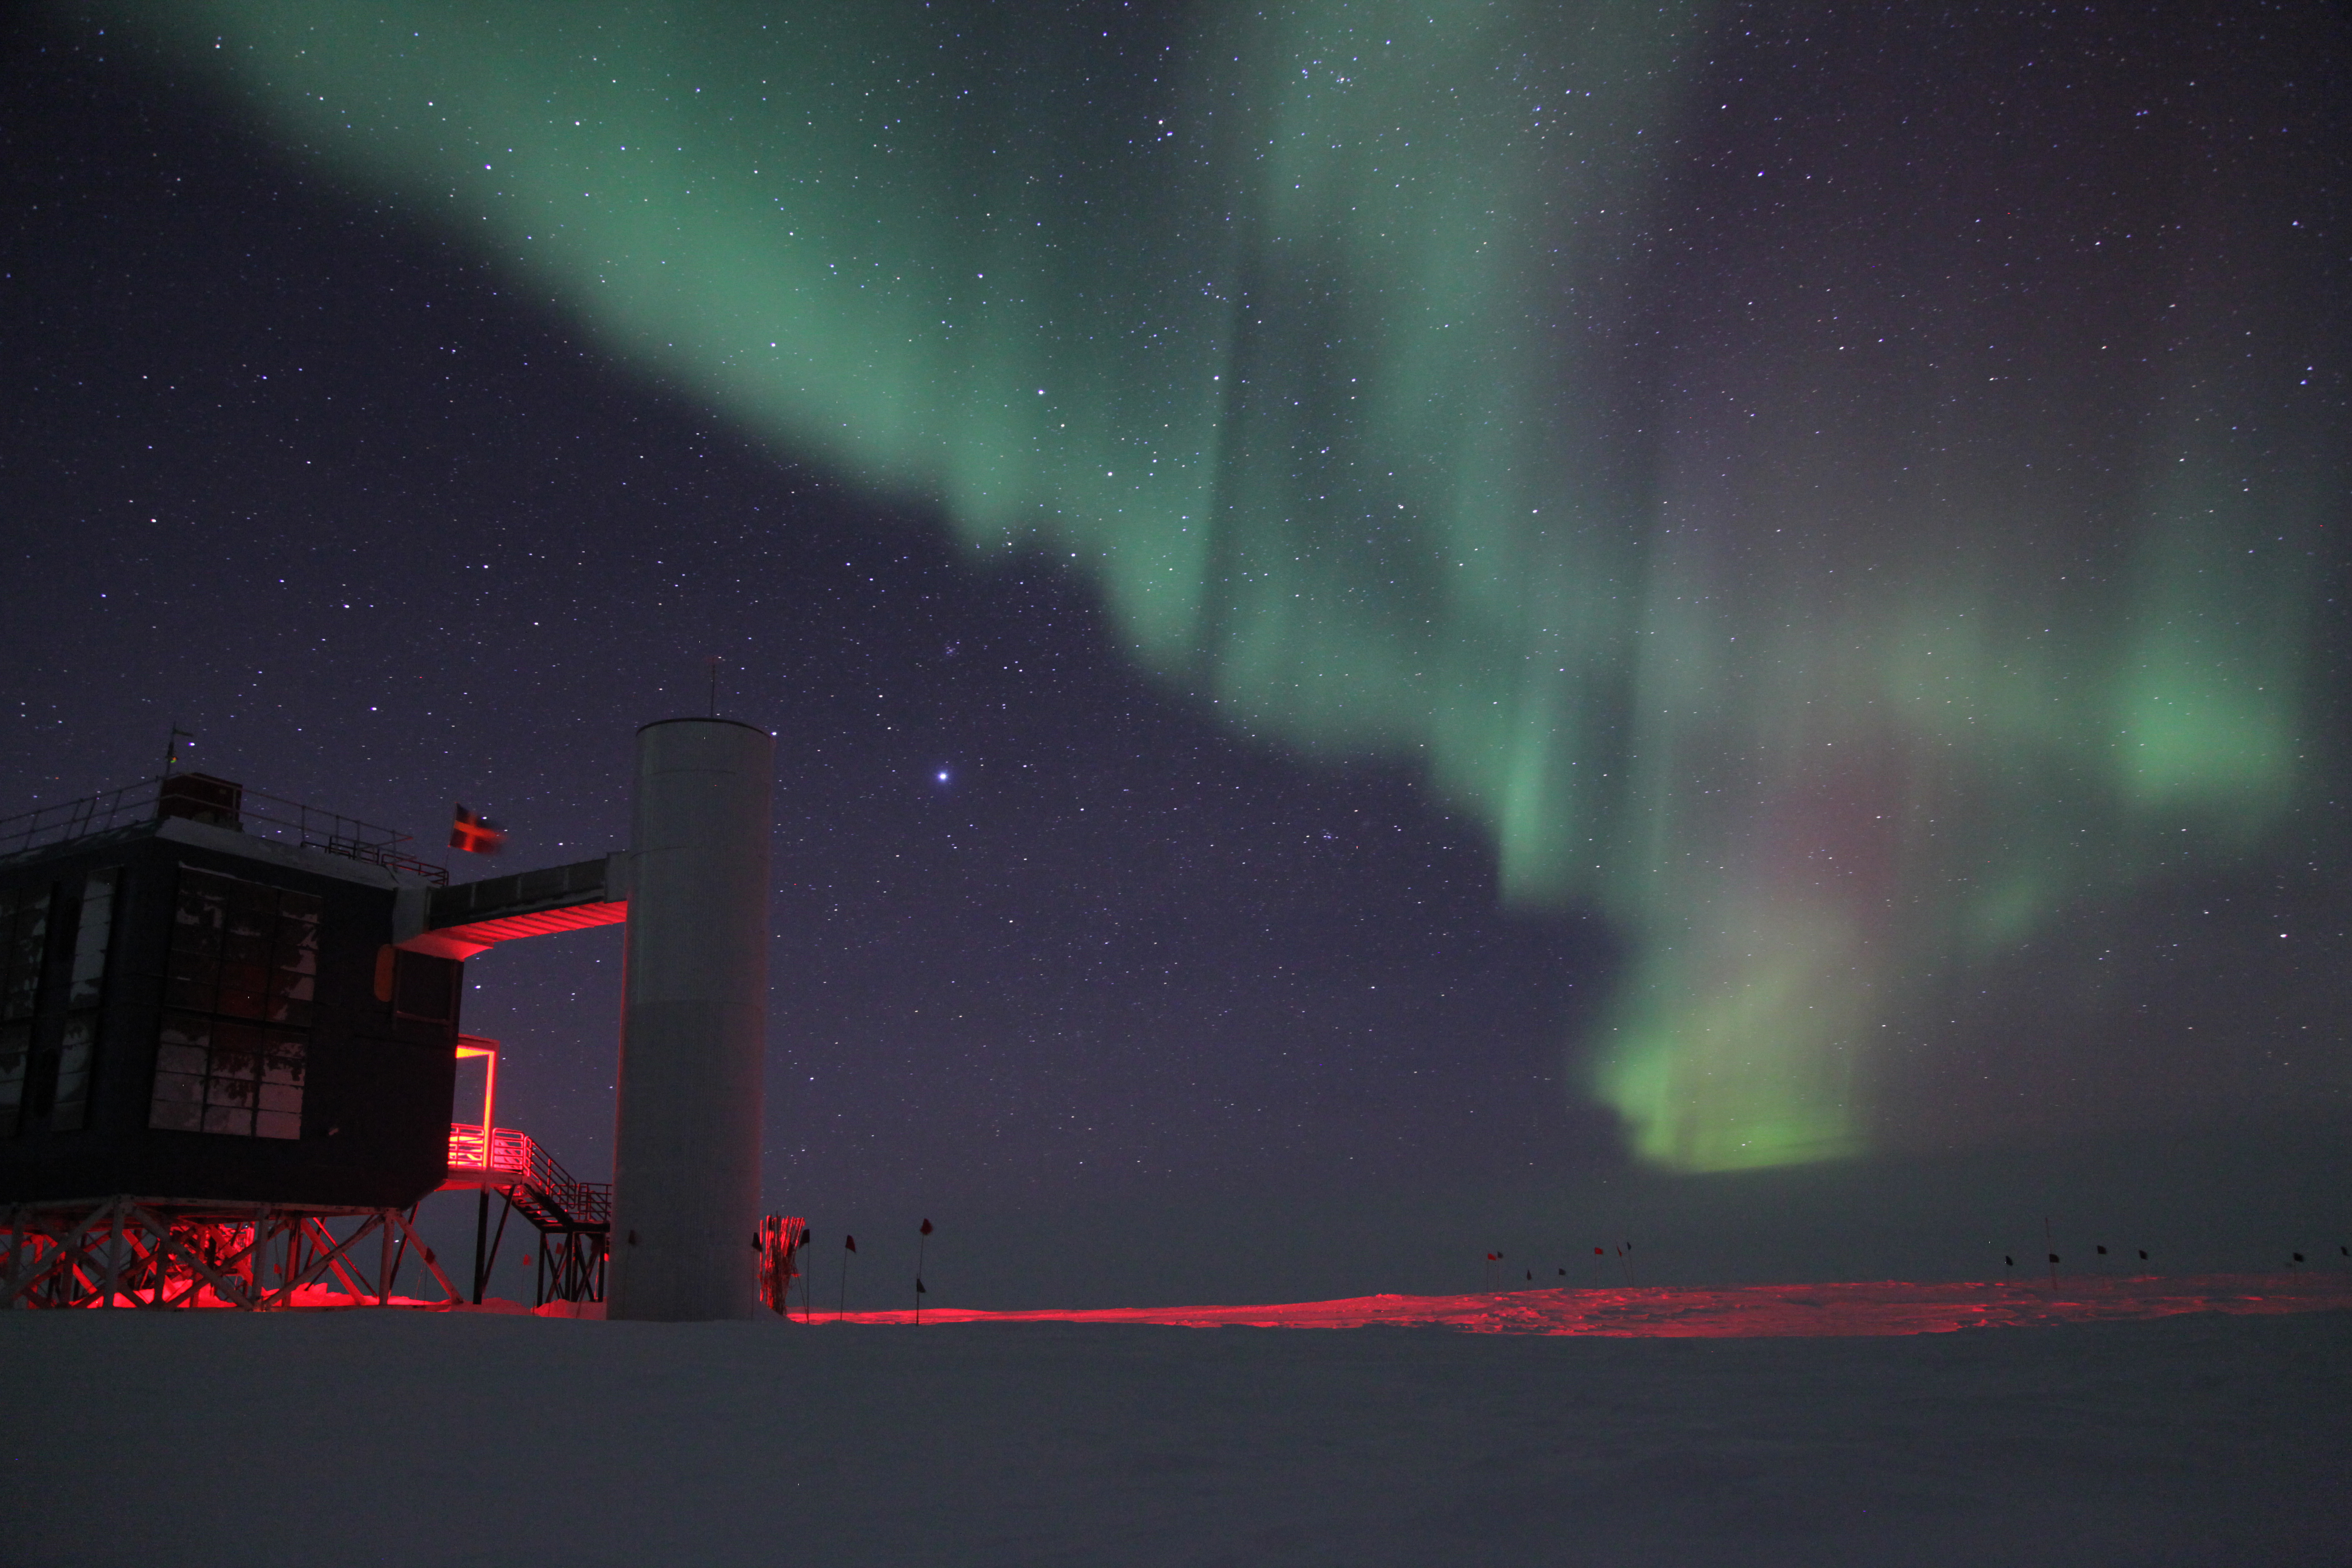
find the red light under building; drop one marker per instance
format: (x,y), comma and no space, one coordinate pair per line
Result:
(229,1046)
(229,1037)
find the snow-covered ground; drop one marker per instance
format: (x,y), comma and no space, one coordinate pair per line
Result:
(2219,1435)
(1734,1312)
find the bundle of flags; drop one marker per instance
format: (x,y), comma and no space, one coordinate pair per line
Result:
(778,1243)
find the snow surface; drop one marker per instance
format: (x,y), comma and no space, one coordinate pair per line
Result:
(1735,1311)
(389,1436)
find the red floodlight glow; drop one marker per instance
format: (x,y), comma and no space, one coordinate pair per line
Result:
(463,941)
(486,1048)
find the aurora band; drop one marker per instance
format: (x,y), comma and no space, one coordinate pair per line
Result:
(1409,380)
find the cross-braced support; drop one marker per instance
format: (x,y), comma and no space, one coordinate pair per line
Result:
(127,1251)
(570,1266)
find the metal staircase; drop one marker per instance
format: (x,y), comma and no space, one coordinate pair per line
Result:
(573,1218)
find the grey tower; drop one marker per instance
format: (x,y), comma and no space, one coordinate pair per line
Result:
(686,1165)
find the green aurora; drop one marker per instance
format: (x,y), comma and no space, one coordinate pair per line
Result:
(1829,587)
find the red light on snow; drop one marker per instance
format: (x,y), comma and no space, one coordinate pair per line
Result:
(1740,1312)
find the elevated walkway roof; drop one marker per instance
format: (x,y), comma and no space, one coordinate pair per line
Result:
(463,920)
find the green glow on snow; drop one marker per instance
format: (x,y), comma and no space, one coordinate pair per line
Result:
(1309,340)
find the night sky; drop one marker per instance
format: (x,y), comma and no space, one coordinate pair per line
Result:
(1393,635)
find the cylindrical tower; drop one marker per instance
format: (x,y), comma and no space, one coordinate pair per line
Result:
(694,1010)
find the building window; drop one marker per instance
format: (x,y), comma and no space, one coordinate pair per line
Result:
(23,940)
(239,993)
(93,935)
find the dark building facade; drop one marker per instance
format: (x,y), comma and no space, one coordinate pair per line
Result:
(192,1013)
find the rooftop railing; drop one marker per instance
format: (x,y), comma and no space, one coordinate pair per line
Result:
(262,816)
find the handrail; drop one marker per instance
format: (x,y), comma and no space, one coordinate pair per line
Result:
(263,816)
(518,1154)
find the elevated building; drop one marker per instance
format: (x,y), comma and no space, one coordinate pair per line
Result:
(192,1009)
(229,1031)
(229,1034)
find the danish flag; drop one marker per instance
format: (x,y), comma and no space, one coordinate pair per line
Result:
(475,834)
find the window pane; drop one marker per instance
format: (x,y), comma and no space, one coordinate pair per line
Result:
(180,1087)
(242,986)
(14,1042)
(190,994)
(242,951)
(69,1100)
(180,1059)
(179,1104)
(186,1029)
(24,938)
(198,968)
(201,912)
(91,939)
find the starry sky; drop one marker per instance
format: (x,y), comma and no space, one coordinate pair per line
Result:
(1395,632)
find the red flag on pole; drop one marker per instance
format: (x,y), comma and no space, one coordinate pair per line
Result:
(475,834)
